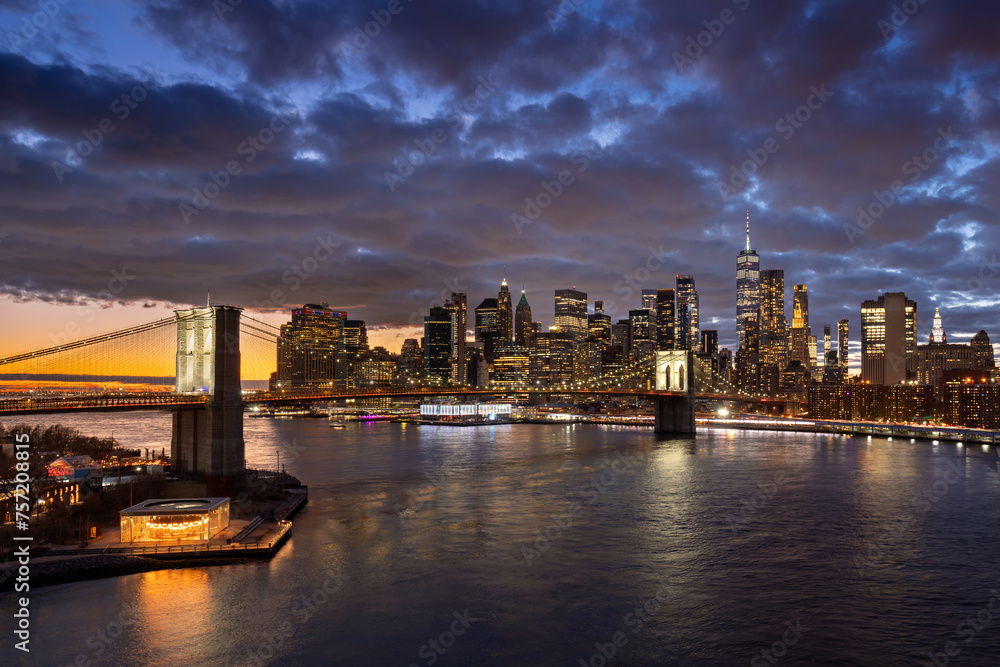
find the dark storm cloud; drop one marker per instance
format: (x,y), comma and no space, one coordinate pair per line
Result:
(603,78)
(271,41)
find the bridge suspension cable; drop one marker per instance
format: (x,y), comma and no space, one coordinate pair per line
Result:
(272,336)
(259,351)
(102,338)
(142,355)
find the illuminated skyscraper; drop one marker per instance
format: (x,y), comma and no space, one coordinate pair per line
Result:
(687,314)
(511,365)
(457,307)
(666,321)
(310,351)
(983,351)
(843,328)
(709,341)
(747,286)
(478,368)
(649,300)
(773,326)
(523,331)
(354,335)
(748,358)
(552,359)
(888,338)
(800,326)
(505,313)
(438,346)
(411,362)
(642,325)
(621,335)
(937,329)
(487,327)
(599,325)
(353,343)
(571,313)
(938,359)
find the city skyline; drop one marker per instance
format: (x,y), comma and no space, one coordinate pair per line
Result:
(505,332)
(777,349)
(314,218)
(396,340)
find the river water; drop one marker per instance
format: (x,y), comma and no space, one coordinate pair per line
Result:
(567,545)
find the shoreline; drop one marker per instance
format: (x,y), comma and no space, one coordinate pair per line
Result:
(73,569)
(48,569)
(858,429)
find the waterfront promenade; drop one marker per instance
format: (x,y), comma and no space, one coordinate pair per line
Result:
(917,432)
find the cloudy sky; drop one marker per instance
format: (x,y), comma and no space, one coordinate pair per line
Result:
(376,154)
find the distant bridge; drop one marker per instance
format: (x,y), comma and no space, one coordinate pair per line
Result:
(101,402)
(202,348)
(167,400)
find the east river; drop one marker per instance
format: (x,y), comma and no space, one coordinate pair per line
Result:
(568,545)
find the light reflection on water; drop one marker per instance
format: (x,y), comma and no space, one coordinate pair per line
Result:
(751,529)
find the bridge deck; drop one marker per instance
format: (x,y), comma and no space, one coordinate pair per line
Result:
(160,400)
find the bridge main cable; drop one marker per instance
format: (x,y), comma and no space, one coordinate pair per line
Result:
(121,333)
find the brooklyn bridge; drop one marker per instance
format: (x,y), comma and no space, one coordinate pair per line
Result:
(202,363)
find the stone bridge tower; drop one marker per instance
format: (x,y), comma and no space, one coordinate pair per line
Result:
(675,372)
(207,440)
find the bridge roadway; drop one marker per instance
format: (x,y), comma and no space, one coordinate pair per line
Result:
(162,400)
(96,402)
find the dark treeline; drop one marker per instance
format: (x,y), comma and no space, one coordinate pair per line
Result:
(62,439)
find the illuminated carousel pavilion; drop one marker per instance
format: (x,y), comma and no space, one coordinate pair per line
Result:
(176,519)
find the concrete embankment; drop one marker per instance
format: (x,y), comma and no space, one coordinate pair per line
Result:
(50,571)
(59,566)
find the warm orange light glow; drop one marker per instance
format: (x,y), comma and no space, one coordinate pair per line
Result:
(179,526)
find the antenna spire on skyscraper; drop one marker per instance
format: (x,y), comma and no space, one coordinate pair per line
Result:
(748,231)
